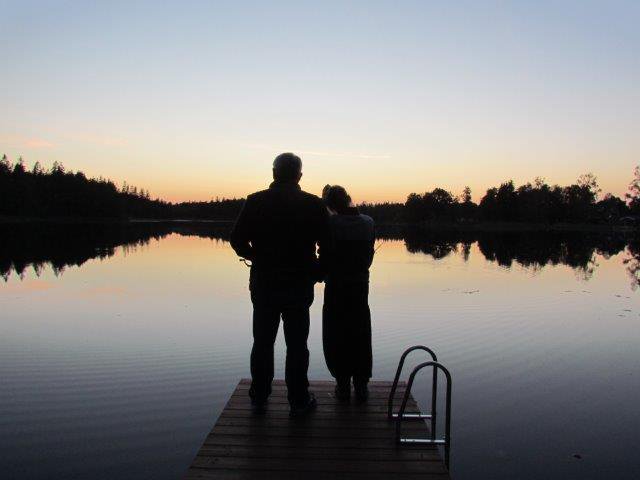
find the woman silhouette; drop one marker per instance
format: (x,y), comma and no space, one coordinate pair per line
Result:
(346,318)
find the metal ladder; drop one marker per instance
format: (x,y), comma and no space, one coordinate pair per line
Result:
(403,415)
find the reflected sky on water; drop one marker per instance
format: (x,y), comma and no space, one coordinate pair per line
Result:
(118,351)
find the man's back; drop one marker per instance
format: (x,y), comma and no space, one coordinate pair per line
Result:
(278,231)
(279,228)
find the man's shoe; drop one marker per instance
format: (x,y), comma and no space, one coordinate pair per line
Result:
(343,391)
(304,408)
(258,406)
(361,390)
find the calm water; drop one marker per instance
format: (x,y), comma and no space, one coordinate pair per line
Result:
(119,347)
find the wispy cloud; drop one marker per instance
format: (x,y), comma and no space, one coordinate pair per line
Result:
(318,153)
(100,140)
(19,141)
(38,143)
(343,154)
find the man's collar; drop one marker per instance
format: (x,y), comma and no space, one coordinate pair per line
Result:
(285,185)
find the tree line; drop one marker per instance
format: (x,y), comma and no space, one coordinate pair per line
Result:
(536,202)
(58,193)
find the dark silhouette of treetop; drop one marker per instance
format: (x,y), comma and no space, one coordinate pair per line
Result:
(58,193)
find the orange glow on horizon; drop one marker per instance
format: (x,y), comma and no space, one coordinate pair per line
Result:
(376,192)
(370,181)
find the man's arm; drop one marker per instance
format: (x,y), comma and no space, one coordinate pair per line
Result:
(241,233)
(324,243)
(371,249)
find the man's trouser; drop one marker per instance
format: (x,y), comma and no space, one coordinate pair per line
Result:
(274,297)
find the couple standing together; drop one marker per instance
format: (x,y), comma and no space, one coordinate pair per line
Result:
(294,239)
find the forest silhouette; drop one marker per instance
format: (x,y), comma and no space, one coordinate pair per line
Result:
(56,193)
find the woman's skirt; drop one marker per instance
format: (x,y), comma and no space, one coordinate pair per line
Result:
(346,329)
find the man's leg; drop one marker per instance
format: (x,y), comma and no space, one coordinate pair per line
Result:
(296,331)
(265,329)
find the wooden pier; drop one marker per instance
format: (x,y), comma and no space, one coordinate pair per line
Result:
(336,441)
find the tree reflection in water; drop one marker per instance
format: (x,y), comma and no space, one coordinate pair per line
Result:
(58,245)
(35,246)
(632,262)
(530,249)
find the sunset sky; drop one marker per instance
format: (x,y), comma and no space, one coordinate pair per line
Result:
(192,100)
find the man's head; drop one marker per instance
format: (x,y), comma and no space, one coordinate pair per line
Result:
(287,167)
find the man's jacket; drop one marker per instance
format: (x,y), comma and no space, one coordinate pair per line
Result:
(279,230)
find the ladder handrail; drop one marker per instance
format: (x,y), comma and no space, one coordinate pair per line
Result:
(434,387)
(446,440)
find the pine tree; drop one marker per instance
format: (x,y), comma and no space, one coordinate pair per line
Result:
(19,167)
(466,195)
(633,195)
(5,165)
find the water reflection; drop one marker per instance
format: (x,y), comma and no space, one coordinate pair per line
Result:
(136,356)
(632,262)
(529,249)
(24,246)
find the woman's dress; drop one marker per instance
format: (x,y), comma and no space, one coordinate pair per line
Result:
(346,318)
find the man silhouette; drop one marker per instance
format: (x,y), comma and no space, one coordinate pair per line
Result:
(278,230)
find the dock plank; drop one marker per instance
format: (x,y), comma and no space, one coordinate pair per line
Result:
(338,440)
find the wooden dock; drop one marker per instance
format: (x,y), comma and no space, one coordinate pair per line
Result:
(336,441)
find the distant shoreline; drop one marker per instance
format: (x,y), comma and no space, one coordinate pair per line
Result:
(106,221)
(520,227)
(432,226)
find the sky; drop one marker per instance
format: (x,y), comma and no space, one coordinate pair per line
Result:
(193,100)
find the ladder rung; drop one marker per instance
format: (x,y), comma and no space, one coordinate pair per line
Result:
(412,415)
(438,441)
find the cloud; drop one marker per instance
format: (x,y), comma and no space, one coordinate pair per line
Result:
(367,156)
(37,143)
(100,140)
(317,153)
(19,141)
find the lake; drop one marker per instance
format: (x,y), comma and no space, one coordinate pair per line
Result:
(119,346)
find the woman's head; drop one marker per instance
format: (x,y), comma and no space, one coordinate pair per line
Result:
(336,198)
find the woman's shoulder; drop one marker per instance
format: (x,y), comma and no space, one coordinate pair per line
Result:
(357,219)
(353,227)
(369,224)
(367,219)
